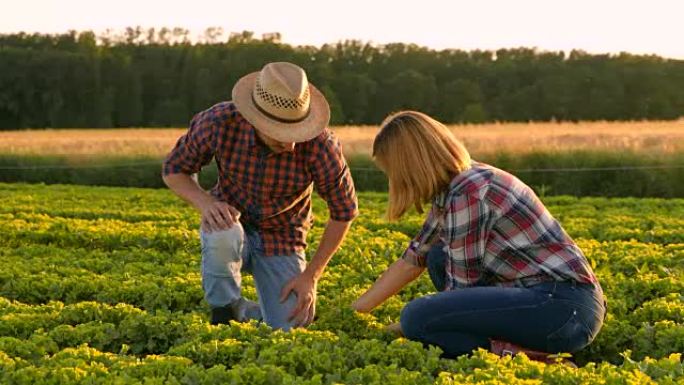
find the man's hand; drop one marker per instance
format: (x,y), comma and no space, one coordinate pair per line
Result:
(217,215)
(304,287)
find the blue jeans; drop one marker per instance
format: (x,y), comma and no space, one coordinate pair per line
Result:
(228,253)
(551,317)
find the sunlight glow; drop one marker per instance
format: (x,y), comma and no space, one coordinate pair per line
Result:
(640,27)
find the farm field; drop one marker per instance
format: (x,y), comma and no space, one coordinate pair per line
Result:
(617,159)
(101,285)
(652,137)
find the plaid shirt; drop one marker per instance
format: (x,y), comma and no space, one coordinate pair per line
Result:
(272,191)
(497,233)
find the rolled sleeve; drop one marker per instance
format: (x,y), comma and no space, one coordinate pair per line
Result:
(332,178)
(195,148)
(422,243)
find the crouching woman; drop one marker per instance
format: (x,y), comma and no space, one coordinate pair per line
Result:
(508,276)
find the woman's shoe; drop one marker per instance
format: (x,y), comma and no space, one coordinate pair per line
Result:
(503,348)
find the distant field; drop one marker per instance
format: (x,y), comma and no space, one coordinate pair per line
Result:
(637,159)
(657,138)
(641,137)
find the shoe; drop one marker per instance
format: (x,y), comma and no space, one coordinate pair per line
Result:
(240,310)
(244,310)
(503,348)
(221,315)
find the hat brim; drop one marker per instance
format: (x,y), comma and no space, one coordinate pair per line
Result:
(314,123)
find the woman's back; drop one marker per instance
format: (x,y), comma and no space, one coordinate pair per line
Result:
(499,233)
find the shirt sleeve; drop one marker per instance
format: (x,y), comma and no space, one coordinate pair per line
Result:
(195,148)
(467,228)
(332,178)
(421,244)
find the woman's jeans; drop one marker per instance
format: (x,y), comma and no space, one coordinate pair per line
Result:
(228,253)
(552,317)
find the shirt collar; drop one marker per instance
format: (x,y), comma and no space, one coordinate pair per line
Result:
(256,145)
(252,139)
(456,184)
(441,198)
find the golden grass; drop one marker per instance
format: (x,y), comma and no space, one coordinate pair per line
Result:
(518,138)
(107,142)
(657,138)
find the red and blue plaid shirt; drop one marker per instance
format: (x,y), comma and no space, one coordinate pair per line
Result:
(272,191)
(497,232)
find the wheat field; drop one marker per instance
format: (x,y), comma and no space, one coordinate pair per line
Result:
(657,138)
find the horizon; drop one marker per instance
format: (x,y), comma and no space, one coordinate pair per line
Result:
(609,27)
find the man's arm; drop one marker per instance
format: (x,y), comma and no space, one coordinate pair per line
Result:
(187,187)
(333,182)
(331,240)
(192,151)
(216,215)
(305,284)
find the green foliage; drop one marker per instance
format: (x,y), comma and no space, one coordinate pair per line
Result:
(101,286)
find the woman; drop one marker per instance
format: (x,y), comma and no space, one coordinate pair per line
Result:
(509,278)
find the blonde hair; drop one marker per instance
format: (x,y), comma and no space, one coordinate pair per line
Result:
(420,157)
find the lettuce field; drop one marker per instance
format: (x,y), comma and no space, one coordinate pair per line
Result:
(102,286)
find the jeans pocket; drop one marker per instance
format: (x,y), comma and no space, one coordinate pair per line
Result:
(571,337)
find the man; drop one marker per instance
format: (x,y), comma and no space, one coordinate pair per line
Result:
(272,147)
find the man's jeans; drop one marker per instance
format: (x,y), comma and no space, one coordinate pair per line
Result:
(551,317)
(228,253)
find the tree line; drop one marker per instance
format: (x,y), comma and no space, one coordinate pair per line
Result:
(160,78)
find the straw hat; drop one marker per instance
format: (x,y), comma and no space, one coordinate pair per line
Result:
(280,102)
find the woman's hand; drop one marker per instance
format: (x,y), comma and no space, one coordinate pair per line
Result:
(395,328)
(360,306)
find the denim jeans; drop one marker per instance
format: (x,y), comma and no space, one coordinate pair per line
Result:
(227,254)
(551,317)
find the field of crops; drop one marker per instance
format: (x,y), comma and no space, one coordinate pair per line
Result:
(102,286)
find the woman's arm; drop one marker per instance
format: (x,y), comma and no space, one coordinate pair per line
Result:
(398,275)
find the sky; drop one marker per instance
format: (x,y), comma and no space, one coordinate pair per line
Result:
(595,26)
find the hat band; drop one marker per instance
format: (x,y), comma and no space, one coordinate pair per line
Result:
(277,118)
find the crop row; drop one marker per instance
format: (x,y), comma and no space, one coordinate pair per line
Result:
(102,285)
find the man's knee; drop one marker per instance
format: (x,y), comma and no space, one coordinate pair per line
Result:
(223,247)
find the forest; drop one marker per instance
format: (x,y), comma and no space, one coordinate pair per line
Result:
(160,78)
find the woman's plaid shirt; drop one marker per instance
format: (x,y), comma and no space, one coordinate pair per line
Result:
(497,232)
(272,191)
